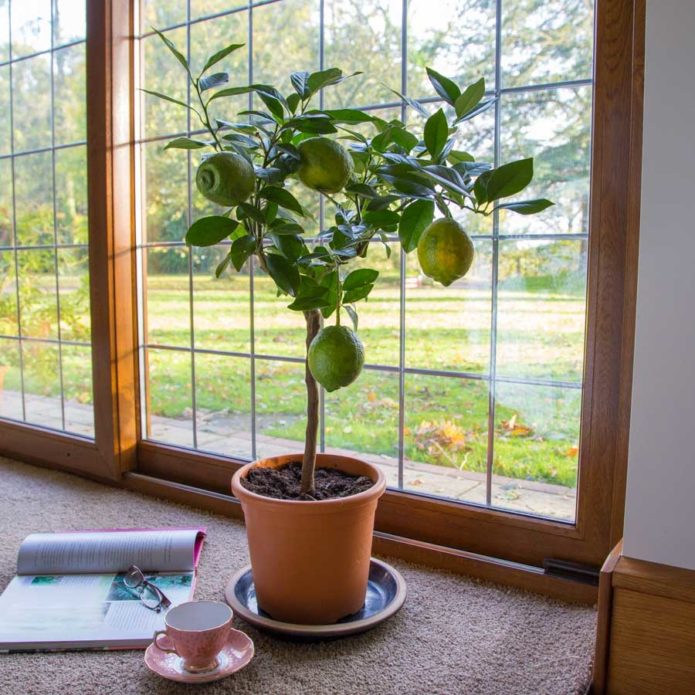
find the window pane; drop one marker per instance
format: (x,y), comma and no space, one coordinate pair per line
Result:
(71,195)
(69,21)
(446,436)
(70,84)
(164,193)
(546,41)
(10,380)
(280,408)
(162,13)
(42,395)
(4,30)
(73,266)
(38,304)
(167,309)
(363,35)
(5,122)
(449,328)
(223,402)
(43,197)
(553,127)
(536,449)
(288,29)
(77,378)
(205,8)
(31,26)
(33,199)
(457,39)
(6,209)
(362,420)
(220,305)
(169,398)
(8,294)
(541,309)
(161,73)
(31,95)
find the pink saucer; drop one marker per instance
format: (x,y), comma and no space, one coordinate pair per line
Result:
(235,654)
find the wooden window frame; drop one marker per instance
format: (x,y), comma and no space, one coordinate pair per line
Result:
(459,530)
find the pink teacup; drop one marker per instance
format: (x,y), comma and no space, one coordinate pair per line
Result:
(196,631)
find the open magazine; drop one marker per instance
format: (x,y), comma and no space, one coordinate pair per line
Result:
(70,593)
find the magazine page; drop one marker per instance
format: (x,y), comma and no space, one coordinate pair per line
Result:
(100,552)
(88,610)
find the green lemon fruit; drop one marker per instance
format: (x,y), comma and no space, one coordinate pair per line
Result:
(325,165)
(336,356)
(225,178)
(445,251)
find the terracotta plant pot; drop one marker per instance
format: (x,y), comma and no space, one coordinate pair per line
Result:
(310,560)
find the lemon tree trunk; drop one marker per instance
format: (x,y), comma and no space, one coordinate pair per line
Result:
(313,325)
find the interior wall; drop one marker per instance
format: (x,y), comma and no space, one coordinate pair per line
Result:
(660,504)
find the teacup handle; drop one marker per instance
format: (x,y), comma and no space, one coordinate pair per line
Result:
(163,633)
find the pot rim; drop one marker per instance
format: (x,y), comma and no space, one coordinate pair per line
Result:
(376,490)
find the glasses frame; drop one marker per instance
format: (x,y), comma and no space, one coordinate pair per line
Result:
(143,583)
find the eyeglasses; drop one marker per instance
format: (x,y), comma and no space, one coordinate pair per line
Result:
(151,596)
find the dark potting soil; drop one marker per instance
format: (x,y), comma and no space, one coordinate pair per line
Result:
(283,483)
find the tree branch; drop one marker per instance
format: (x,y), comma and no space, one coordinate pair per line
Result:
(313,325)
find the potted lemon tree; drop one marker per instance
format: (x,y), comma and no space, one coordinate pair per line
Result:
(310,516)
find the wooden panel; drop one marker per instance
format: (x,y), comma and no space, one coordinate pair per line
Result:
(612,273)
(460,562)
(111,240)
(656,579)
(57,450)
(603,624)
(652,645)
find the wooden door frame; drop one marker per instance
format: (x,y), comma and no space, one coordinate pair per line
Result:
(612,279)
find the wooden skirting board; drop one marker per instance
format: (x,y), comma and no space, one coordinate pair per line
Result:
(646,629)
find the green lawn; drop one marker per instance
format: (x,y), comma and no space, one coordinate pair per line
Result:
(540,335)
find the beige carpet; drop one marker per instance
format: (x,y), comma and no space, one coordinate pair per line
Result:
(452,636)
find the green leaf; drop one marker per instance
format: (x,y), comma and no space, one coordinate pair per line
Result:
(186,144)
(348,115)
(220,55)
(311,124)
(214,80)
(325,78)
(310,301)
(356,294)
(361,189)
(282,197)
(291,247)
(230,92)
(446,89)
(527,207)
(208,231)
(480,108)
(168,98)
(470,98)
(283,272)
(300,81)
(330,282)
(414,220)
(480,187)
(223,265)
(242,249)
(177,54)
(352,313)
(281,227)
(436,133)
(415,105)
(381,218)
(458,156)
(271,99)
(358,278)
(293,102)
(509,179)
(246,210)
